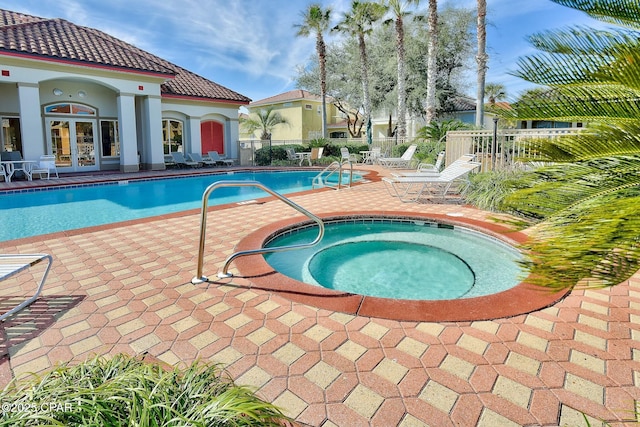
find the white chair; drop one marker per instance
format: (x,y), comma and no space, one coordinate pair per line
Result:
(180,161)
(3,173)
(410,188)
(399,162)
(431,171)
(46,165)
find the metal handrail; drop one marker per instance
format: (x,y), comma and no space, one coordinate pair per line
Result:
(199,278)
(332,168)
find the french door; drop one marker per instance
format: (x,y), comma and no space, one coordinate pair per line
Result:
(73,141)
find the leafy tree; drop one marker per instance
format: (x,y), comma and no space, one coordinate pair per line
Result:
(264,121)
(586,202)
(316,21)
(359,22)
(344,81)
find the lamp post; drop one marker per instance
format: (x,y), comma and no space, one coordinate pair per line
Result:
(495,143)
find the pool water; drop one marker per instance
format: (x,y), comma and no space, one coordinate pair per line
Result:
(25,214)
(396,259)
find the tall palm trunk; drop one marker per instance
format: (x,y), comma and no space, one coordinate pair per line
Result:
(481,59)
(431,61)
(402,106)
(365,83)
(322,59)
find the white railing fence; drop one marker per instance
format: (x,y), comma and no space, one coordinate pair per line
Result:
(506,152)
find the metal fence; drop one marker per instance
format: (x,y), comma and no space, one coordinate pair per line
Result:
(499,149)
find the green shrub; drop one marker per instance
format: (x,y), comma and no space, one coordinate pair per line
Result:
(125,391)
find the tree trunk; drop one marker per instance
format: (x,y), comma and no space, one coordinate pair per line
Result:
(431,61)
(320,46)
(365,84)
(481,59)
(402,108)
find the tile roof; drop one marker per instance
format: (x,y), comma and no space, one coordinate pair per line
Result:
(292,95)
(60,40)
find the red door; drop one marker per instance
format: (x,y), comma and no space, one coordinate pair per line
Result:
(212,137)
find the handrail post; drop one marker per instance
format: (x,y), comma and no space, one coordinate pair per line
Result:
(200,278)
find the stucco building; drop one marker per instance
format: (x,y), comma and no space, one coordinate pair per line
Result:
(99,103)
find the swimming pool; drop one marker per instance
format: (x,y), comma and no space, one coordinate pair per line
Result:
(32,213)
(402,259)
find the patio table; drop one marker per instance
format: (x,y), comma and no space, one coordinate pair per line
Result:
(13,166)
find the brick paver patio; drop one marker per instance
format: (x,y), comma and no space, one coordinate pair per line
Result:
(126,288)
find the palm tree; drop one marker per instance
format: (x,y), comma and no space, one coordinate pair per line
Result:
(399,8)
(264,121)
(495,92)
(481,60)
(587,201)
(316,21)
(359,22)
(432,61)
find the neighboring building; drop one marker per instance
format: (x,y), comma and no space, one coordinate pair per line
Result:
(303,112)
(99,103)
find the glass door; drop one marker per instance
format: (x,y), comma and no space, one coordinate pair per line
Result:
(74,144)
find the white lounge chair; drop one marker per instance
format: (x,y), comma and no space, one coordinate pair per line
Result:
(12,264)
(399,162)
(180,161)
(197,157)
(423,171)
(411,188)
(427,167)
(214,156)
(46,165)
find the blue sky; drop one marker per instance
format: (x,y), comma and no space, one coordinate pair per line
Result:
(250,45)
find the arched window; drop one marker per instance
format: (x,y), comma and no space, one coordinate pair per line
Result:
(70,108)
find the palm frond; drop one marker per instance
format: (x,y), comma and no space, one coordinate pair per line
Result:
(596,102)
(620,12)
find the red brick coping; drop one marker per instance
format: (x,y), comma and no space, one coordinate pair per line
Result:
(523,298)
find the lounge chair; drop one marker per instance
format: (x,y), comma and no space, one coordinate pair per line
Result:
(399,162)
(346,156)
(411,188)
(197,157)
(12,264)
(427,167)
(214,156)
(423,171)
(180,161)
(45,166)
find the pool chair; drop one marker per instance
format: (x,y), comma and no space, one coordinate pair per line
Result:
(428,167)
(214,156)
(399,162)
(14,264)
(181,162)
(3,173)
(423,171)
(411,188)
(316,154)
(346,156)
(197,157)
(46,166)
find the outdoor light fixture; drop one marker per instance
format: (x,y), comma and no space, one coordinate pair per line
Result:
(57,92)
(82,94)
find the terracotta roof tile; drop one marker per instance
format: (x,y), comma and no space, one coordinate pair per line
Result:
(61,40)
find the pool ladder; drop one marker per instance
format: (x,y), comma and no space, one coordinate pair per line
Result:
(199,277)
(320,180)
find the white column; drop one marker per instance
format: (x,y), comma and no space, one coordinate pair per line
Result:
(152,149)
(231,137)
(33,144)
(128,135)
(194,143)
